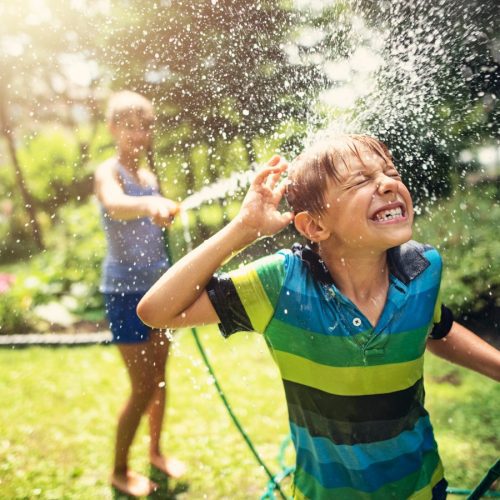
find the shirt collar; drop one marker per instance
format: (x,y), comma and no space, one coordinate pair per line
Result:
(406,262)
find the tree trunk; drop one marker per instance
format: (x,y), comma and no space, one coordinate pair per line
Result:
(6,131)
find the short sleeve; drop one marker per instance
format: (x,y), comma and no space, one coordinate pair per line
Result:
(245,299)
(442,321)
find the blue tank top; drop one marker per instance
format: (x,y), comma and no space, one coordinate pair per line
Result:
(136,256)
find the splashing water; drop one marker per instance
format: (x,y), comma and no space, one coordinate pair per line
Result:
(220,189)
(184,217)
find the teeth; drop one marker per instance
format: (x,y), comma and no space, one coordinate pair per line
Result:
(389,214)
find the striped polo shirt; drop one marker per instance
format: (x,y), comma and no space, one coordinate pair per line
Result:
(354,391)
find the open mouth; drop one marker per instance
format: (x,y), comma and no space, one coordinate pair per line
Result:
(394,212)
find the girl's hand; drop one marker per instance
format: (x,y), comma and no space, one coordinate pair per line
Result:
(259,212)
(162,210)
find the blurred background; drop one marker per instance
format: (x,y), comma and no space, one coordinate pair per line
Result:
(233,82)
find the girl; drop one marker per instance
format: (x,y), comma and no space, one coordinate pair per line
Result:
(133,215)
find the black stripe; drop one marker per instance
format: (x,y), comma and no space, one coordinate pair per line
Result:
(227,305)
(442,328)
(345,432)
(354,419)
(390,406)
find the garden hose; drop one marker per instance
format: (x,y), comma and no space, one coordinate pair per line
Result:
(481,490)
(274,480)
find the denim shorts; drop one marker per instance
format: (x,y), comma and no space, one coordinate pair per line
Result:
(125,325)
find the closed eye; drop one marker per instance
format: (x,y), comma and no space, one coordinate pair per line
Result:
(394,174)
(359,182)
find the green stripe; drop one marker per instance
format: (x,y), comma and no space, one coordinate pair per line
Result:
(253,297)
(349,381)
(271,273)
(325,349)
(344,351)
(425,491)
(419,485)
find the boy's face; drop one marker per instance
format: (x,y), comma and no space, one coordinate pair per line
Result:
(369,207)
(132,132)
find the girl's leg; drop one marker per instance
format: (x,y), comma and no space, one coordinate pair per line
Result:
(170,466)
(139,360)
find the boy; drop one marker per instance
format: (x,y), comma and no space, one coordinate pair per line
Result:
(346,320)
(133,213)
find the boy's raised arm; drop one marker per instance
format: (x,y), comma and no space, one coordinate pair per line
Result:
(465,348)
(178,298)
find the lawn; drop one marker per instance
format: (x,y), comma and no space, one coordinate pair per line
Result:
(59,406)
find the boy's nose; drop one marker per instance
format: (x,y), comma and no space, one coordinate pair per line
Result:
(387,184)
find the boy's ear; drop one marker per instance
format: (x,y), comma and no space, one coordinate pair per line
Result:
(311,227)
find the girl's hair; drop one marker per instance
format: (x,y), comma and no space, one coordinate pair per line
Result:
(310,171)
(124,102)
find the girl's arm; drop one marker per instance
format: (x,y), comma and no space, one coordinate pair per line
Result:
(463,347)
(121,206)
(178,298)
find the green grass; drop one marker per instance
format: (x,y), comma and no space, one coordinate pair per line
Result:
(59,409)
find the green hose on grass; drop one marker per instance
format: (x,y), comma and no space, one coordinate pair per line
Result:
(481,490)
(274,479)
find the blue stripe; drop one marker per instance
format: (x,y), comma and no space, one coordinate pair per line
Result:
(300,280)
(331,468)
(307,304)
(324,317)
(361,456)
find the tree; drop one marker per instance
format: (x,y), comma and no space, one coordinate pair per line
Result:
(218,70)
(37,88)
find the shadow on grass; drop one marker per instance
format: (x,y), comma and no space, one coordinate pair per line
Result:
(164,492)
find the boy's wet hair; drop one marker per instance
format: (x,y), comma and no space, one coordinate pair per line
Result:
(322,161)
(122,104)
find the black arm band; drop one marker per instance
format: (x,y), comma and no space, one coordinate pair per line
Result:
(442,328)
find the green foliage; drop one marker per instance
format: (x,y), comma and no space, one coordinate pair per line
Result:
(15,313)
(464,228)
(82,255)
(223,69)
(67,273)
(50,163)
(57,165)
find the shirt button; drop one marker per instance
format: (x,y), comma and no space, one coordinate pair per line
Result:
(356,322)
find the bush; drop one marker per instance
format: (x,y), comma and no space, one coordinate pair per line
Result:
(465,230)
(57,165)
(68,272)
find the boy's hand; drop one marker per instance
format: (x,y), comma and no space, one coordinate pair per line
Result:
(259,212)
(161,210)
